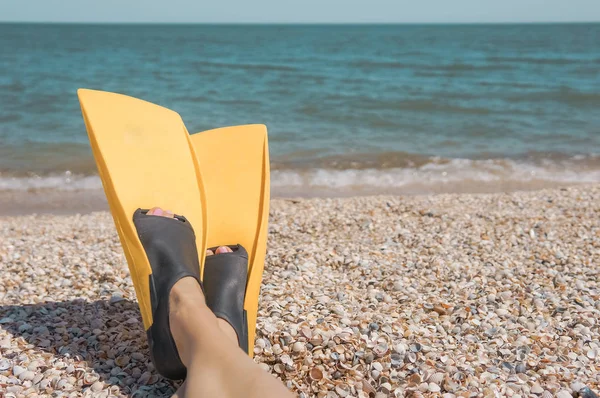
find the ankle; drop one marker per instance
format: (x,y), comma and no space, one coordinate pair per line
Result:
(186,293)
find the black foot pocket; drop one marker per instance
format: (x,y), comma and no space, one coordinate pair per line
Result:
(225,277)
(170,245)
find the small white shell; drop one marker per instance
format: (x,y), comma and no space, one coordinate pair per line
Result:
(436,378)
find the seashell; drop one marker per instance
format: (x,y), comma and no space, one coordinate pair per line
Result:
(345,337)
(412,357)
(115,371)
(548,394)
(316,340)
(97,386)
(278,368)
(298,347)
(434,387)
(386,388)
(264,366)
(520,368)
(286,360)
(261,343)
(5,364)
(436,378)
(368,388)
(414,379)
(38,377)
(401,348)
(440,310)
(45,383)
(89,378)
(536,389)
(122,361)
(451,385)
(277,350)
(592,353)
(33,365)
(17,370)
(137,356)
(424,387)
(564,394)
(153,379)
(459,376)
(343,390)
(315,374)
(306,332)
(375,374)
(577,386)
(143,379)
(396,360)
(415,347)
(381,349)
(285,338)
(63,384)
(26,375)
(377,366)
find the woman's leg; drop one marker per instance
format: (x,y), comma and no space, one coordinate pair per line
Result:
(216,366)
(208,347)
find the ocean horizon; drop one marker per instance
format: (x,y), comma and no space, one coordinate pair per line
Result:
(352,109)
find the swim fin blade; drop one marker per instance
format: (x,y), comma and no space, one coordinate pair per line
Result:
(217,179)
(234,162)
(145,159)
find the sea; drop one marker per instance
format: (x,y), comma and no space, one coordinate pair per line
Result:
(350,109)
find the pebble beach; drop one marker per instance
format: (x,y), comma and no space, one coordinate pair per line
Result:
(452,295)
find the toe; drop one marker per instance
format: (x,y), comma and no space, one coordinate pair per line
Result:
(209,252)
(223,249)
(157,211)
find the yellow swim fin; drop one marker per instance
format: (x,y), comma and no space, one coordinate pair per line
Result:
(217,179)
(234,162)
(145,159)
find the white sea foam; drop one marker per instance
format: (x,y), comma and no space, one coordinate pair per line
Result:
(462,175)
(66,182)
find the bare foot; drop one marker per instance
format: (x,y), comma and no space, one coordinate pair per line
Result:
(187,288)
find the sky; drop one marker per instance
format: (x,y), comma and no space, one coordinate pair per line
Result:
(300,11)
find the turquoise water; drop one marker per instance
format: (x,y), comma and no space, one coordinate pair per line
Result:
(386,108)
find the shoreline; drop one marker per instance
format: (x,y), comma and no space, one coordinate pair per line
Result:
(465,295)
(85,201)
